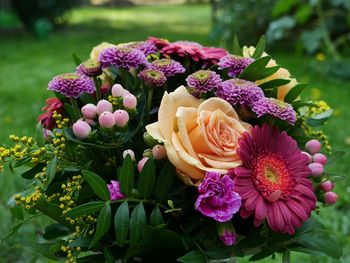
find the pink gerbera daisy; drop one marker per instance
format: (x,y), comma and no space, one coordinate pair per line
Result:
(273,180)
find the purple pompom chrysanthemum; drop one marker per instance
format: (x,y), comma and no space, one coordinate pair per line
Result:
(216,197)
(146,48)
(276,108)
(90,68)
(114,190)
(234,64)
(152,77)
(239,91)
(168,66)
(71,85)
(204,80)
(122,57)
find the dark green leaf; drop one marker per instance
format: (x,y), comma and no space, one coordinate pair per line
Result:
(14,229)
(165,180)
(108,255)
(237,50)
(126,177)
(39,135)
(266,251)
(51,210)
(19,163)
(17,212)
(82,241)
(255,70)
(308,251)
(103,223)
(137,221)
(147,179)
(121,223)
(194,256)
(295,92)
(299,104)
(76,59)
(29,174)
(97,184)
(260,47)
(54,231)
(220,252)
(274,83)
(51,170)
(319,119)
(85,209)
(156,217)
(91,259)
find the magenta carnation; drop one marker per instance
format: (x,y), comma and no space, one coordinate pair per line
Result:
(239,91)
(114,191)
(273,180)
(216,197)
(203,81)
(122,57)
(276,108)
(71,85)
(152,77)
(234,64)
(168,66)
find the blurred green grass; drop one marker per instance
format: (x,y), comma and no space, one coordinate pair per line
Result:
(27,64)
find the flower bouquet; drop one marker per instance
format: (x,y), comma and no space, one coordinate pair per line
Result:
(159,151)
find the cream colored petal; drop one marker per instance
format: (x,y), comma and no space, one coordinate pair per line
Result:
(283,90)
(95,52)
(153,130)
(214,104)
(222,165)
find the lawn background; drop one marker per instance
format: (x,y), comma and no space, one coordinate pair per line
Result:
(27,64)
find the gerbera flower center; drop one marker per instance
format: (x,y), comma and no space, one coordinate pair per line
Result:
(272,177)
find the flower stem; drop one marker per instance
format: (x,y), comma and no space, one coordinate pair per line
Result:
(76,110)
(149,103)
(98,89)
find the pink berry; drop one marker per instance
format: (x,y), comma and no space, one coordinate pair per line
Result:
(103,105)
(141,164)
(129,152)
(159,152)
(330,198)
(326,186)
(106,120)
(117,90)
(129,101)
(89,111)
(319,158)
(81,129)
(313,146)
(309,156)
(125,92)
(121,118)
(316,169)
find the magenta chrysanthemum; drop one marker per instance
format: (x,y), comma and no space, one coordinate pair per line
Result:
(273,180)
(234,64)
(239,91)
(71,85)
(146,48)
(122,57)
(153,77)
(168,66)
(203,81)
(114,191)
(89,68)
(216,197)
(276,108)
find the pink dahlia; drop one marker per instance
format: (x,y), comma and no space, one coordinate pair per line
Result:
(273,180)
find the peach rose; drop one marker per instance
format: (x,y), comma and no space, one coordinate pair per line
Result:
(95,52)
(282,73)
(199,136)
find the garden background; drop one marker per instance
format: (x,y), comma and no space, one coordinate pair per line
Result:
(38,38)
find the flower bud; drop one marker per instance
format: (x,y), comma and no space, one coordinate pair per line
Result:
(103,105)
(319,158)
(313,146)
(227,233)
(106,120)
(117,90)
(326,186)
(149,140)
(129,152)
(316,169)
(141,164)
(330,198)
(81,129)
(48,135)
(90,122)
(159,152)
(89,111)
(121,118)
(129,101)
(309,156)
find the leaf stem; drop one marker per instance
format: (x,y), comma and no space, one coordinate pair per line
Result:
(98,89)
(76,110)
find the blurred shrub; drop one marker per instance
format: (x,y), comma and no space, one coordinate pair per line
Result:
(41,16)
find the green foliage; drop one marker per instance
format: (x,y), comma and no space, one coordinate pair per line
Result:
(97,184)
(103,223)
(126,176)
(85,209)
(121,223)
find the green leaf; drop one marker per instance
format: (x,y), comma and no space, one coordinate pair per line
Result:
(17,212)
(266,251)
(260,47)
(237,50)
(121,223)
(14,229)
(19,163)
(220,252)
(97,184)
(194,256)
(147,179)
(51,210)
(286,257)
(108,255)
(91,259)
(29,174)
(51,170)
(39,135)
(255,70)
(103,223)
(54,231)
(319,119)
(76,59)
(126,177)
(165,180)
(274,83)
(295,92)
(85,209)
(156,217)
(335,156)
(137,221)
